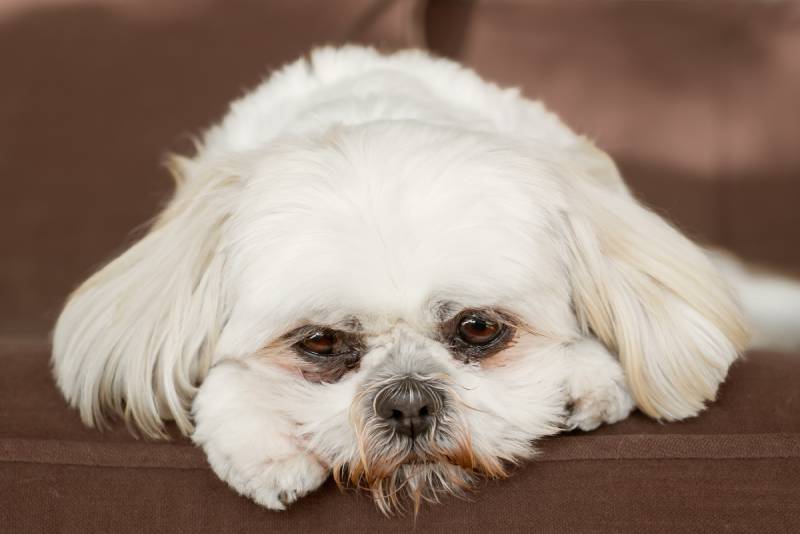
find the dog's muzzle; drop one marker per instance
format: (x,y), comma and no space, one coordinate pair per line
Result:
(409,406)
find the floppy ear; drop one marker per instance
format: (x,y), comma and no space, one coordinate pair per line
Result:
(595,165)
(138,335)
(654,298)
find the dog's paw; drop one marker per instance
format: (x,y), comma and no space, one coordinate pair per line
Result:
(274,484)
(252,449)
(596,404)
(279,484)
(597,391)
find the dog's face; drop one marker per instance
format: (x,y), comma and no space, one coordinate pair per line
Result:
(409,298)
(399,303)
(392,407)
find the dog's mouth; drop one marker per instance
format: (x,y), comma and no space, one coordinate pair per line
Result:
(416,481)
(417,471)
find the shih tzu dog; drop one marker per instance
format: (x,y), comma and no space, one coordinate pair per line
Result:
(385,269)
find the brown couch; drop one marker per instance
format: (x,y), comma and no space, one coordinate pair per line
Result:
(697,101)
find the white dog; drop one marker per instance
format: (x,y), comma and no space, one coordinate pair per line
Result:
(387,269)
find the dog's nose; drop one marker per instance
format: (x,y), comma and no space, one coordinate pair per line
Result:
(409,408)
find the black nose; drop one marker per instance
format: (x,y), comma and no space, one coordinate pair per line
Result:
(409,406)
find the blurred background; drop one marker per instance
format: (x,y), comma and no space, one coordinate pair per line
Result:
(698,102)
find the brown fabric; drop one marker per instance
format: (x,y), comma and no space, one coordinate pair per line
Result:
(696,100)
(735,467)
(614,496)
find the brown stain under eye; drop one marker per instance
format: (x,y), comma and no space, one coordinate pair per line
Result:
(330,372)
(519,346)
(280,356)
(323,369)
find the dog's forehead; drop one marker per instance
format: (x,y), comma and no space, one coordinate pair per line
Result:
(391,220)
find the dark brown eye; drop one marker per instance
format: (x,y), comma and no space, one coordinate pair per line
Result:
(478,330)
(322,342)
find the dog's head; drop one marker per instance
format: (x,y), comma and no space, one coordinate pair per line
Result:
(404,295)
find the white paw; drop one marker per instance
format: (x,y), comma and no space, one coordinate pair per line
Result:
(282,483)
(248,446)
(272,483)
(597,390)
(608,403)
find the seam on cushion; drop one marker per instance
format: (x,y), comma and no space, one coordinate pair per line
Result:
(675,446)
(532,462)
(147,455)
(574,448)
(204,467)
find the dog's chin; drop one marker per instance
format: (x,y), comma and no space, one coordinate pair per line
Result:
(417,472)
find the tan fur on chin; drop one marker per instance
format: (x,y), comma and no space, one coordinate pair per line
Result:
(391,482)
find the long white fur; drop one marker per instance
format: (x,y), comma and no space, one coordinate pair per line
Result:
(354,184)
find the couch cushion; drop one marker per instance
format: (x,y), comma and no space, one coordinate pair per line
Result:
(737,466)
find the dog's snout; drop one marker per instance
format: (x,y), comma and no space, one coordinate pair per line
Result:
(409,407)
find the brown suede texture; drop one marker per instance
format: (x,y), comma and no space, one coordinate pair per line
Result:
(697,101)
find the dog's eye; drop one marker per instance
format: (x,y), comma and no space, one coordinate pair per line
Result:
(478,330)
(475,334)
(322,342)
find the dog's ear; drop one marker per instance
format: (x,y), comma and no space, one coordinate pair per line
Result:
(137,336)
(653,297)
(595,165)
